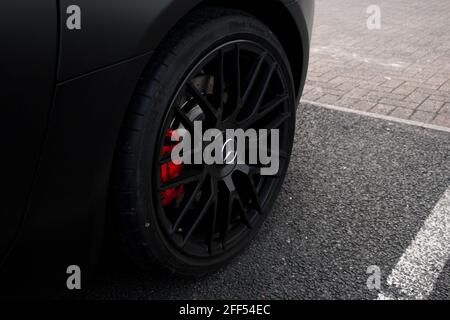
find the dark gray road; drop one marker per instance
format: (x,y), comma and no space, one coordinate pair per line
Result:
(358,191)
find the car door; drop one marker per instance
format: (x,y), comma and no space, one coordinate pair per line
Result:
(28,51)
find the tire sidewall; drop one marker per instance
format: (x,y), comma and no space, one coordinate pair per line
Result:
(170,75)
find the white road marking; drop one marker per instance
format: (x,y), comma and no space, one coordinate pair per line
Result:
(419,268)
(378,116)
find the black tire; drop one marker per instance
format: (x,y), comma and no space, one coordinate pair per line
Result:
(142,232)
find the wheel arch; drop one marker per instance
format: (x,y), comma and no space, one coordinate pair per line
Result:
(293,34)
(279,18)
(146,24)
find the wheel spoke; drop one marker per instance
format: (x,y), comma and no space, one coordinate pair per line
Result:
(237,75)
(265,86)
(251,82)
(261,91)
(202,101)
(219,83)
(229,210)
(214,218)
(200,217)
(184,178)
(227,220)
(254,196)
(187,206)
(250,172)
(254,76)
(234,197)
(264,111)
(243,213)
(184,119)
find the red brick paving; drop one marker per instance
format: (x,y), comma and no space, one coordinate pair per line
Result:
(401,70)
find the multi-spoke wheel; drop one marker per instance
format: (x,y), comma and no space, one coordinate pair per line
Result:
(225,70)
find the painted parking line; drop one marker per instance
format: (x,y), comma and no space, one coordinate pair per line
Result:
(419,268)
(377,116)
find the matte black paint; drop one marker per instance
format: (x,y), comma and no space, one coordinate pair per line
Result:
(59,121)
(113,30)
(64,223)
(27,73)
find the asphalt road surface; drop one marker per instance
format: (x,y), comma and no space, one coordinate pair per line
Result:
(358,192)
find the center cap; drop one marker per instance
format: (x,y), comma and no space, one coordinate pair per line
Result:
(228,156)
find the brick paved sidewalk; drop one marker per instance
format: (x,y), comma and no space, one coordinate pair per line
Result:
(401,70)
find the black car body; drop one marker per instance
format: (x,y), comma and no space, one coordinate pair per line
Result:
(64,93)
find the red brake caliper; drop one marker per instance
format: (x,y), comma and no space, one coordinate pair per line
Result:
(170,171)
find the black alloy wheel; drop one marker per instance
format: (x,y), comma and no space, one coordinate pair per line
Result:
(226,70)
(237,85)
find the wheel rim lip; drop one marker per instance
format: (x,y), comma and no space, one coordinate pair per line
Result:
(267,198)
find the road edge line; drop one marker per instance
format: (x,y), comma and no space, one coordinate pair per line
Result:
(415,275)
(377,116)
